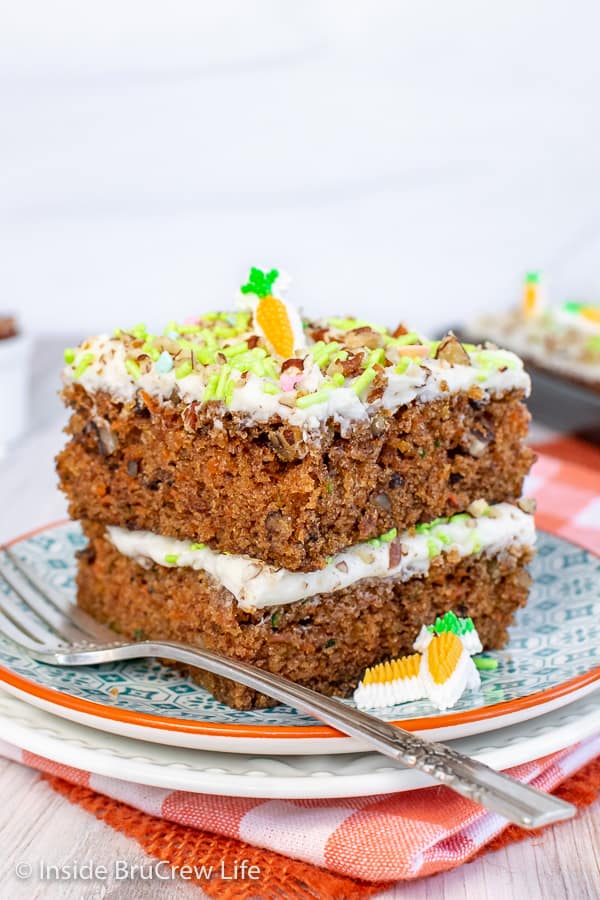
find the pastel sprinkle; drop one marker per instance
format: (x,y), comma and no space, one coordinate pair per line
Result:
(69,355)
(171,558)
(164,363)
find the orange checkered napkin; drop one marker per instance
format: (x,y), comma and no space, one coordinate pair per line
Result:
(358,843)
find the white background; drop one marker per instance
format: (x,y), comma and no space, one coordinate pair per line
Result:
(406,159)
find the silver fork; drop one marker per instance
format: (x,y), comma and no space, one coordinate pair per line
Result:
(60,634)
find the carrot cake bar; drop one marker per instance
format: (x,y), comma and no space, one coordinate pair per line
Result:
(298,494)
(562,339)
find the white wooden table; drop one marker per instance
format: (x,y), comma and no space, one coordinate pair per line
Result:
(36,823)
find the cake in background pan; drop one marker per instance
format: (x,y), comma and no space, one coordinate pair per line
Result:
(562,340)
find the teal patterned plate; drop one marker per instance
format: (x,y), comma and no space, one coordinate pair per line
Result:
(552,659)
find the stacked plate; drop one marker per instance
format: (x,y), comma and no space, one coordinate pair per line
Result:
(143,722)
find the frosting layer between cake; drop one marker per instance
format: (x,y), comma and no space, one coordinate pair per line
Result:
(491,530)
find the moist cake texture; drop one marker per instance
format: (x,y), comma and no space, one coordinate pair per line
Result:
(299,494)
(324,642)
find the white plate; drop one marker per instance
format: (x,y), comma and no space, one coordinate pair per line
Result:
(232,774)
(552,659)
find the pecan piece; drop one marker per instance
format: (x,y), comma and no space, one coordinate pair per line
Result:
(452,351)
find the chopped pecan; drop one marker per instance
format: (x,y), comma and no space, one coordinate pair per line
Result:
(527,505)
(319,334)
(287,443)
(190,417)
(452,351)
(383,502)
(351,367)
(399,330)
(252,341)
(395,553)
(292,363)
(378,424)
(107,440)
(362,337)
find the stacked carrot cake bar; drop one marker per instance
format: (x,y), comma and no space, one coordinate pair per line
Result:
(298,494)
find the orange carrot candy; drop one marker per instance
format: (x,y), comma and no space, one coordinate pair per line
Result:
(447,670)
(532,295)
(276,320)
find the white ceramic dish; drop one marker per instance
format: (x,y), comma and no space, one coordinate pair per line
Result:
(311,776)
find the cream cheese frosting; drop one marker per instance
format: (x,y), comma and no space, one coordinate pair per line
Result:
(256,585)
(258,397)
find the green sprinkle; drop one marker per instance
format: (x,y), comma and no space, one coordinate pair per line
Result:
(197,546)
(229,392)
(374,542)
(411,338)
(475,543)
(270,388)
(433,548)
(443,537)
(459,517)
(350,324)
(423,528)
(593,344)
(389,536)
(377,357)
(133,368)
(171,558)
(184,369)
(69,355)
(485,663)
(211,386)
(329,560)
(338,379)
(402,365)
(235,349)
(139,331)
(190,329)
(329,487)
(275,620)
(532,277)
(84,362)
(330,643)
(422,453)
(495,359)
(312,399)
(363,381)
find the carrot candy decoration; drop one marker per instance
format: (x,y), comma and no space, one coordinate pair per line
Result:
(274,319)
(389,683)
(532,295)
(447,670)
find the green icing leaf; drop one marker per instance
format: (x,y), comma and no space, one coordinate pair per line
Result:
(451,622)
(259,282)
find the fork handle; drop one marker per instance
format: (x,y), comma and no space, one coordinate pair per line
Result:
(517,802)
